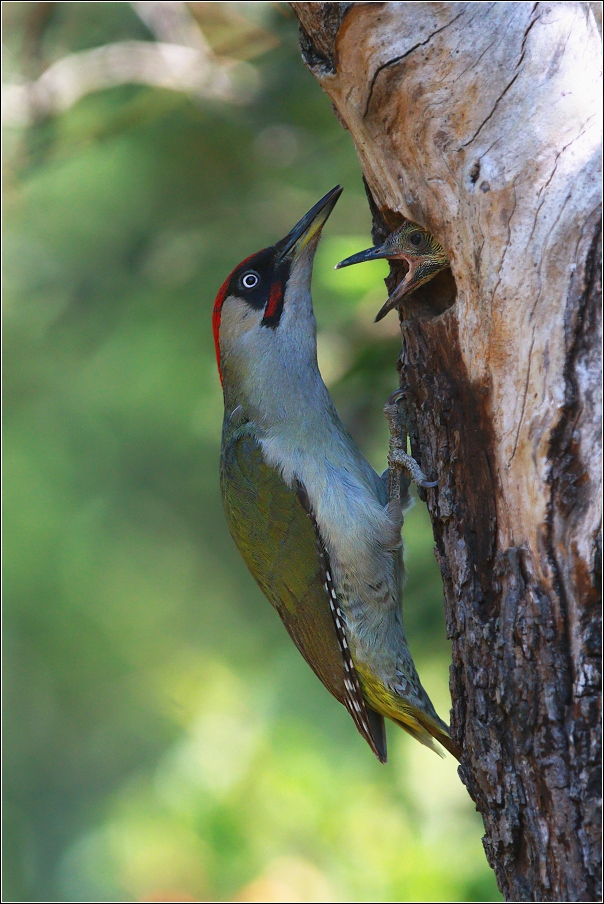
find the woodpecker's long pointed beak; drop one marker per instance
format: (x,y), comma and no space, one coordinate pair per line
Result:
(309,227)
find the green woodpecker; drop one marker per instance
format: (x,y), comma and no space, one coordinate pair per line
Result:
(311,518)
(424,256)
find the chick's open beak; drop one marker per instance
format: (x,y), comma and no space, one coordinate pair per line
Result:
(382,252)
(408,283)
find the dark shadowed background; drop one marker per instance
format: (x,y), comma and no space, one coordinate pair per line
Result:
(164,740)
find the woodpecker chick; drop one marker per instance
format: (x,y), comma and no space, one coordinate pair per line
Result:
(424,256)
(309,515)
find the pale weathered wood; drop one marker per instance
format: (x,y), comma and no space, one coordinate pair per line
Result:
(481,122)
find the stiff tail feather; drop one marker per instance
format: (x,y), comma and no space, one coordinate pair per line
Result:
(426,732)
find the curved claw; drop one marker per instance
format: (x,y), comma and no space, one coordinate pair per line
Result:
(395,397)
(400,460)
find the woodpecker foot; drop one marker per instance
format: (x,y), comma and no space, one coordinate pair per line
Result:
(398,458)
(401,461)
(397,417)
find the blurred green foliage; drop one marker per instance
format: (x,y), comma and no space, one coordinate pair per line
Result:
(163,738)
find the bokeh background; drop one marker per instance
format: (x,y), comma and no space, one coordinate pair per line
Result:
(164,741)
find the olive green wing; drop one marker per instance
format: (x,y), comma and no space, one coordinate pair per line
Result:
(274,529)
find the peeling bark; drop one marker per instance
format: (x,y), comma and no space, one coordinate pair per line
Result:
(480,121)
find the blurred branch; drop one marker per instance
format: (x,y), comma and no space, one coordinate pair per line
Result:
(38,18)
(180,60)
(172,23)
(231,34)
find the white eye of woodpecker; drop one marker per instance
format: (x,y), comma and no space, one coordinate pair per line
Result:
(250,279)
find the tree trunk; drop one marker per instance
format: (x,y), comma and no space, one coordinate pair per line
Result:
(480,121)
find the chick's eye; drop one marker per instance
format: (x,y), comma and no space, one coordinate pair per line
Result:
(416,238)
(250,279)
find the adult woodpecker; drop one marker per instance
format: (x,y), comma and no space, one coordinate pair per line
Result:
(311,518)
(424,256)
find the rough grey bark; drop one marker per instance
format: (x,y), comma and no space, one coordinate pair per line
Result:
(480,121)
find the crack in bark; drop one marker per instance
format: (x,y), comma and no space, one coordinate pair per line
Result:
(555,167)
(505,90)
(507,244)
(491,114)
(524,395)
(398,59)
(472,65)
(551,232)
(526,33)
